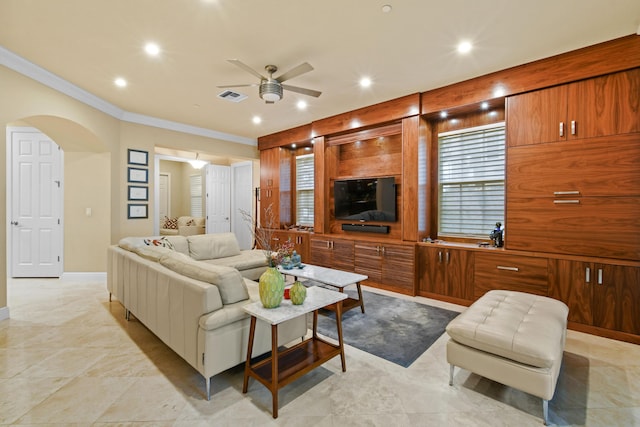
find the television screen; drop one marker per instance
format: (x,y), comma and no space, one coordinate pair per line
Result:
(365,199)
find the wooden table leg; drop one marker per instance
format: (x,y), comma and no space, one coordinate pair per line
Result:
(315,323)
(274,369)
(340,342)
(360,297)
(247,365)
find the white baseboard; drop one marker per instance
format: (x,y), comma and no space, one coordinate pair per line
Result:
(84,276)
(4,313)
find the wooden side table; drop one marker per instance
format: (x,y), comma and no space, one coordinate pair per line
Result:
(284,367)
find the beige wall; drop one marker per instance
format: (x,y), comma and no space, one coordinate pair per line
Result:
(95,146)
(86,179)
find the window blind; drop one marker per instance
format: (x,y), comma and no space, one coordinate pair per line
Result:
(304,189)
(195,190)
(471,165)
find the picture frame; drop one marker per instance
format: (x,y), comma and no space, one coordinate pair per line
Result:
(137,157)
(137,192)
(138,175)
(137,211)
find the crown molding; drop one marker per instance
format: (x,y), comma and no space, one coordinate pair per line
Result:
(49,79)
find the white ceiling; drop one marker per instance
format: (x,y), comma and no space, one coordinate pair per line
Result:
(411,49)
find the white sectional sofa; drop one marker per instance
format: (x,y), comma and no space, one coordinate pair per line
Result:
(180,289)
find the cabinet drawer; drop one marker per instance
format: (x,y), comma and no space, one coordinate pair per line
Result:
(509,272)
(592,226)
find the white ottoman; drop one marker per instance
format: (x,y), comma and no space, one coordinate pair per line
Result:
(514,338)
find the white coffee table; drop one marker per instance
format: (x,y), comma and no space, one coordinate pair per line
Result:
(328,276)
(284,367)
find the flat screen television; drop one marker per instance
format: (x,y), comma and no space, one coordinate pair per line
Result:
(365,199)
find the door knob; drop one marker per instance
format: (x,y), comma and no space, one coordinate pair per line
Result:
(14,222)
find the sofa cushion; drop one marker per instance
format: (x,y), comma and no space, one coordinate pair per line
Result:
(211,246)
(161,242)
(228,280)
(247,260)
(518,326)
(152,253)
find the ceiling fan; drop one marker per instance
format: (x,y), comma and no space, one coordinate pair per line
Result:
(271,88)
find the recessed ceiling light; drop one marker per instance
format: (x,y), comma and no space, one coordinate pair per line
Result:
(293,145)
(120,82)
(365,82)
(302,105)
(443,114)
(152,49)
(465,46)
(256,120)
(498,92)
(386,8)
(484,105)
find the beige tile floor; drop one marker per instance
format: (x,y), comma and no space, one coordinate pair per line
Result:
(68,357)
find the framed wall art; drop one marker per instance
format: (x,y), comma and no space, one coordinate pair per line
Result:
(138,175)
(137,192)
(137,157)
(137,211)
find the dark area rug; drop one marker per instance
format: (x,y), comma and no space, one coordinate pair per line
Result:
(392,328)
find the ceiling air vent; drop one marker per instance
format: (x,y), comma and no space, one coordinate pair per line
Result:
(232,96)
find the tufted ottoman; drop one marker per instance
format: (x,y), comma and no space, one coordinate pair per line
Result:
(514,338)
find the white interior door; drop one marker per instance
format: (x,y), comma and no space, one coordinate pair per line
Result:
(218,199)
(242,199)
(164,204)
(36,205)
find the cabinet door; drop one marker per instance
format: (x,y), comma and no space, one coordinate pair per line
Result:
(537,117)
(320,248)
(568,283)
(301,245)
(398,267)
(368,260)
(598,167)
(459,271)
(431,270)
(588,226)
(343,254)
(270,208)
(607,105)
(616,297)
(269,168)
(510,272)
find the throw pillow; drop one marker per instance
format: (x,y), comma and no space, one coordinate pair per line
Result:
(170,223)
(163,241)
(191,222)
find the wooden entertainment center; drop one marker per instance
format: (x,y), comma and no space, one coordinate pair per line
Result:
(572,187)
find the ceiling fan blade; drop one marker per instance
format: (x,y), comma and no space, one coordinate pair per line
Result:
(302,90)
(244,85)
(247,68)
(305,67)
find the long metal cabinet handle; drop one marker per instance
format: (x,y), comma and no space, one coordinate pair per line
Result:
(447,256)
(566,193)
(502,267)
(440,257)
(573,127)
(566,202)
(600,276)
(587,275)
(561,129)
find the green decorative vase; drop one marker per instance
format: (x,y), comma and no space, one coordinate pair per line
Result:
(271,287)
(298,293)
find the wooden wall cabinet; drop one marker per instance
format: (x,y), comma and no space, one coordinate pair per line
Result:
(578,196)
(597,294)
(509,272)
(389,266)
(600,106)
(275,186)
(332,253)
(445,271)
(300,241)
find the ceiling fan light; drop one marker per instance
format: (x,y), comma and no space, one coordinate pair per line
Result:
(271,91)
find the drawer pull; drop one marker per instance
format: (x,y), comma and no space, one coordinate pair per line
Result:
(502,267)
(573,127)
(561,129)
(566,202)
(587,275)
(566,193)
(600,282)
